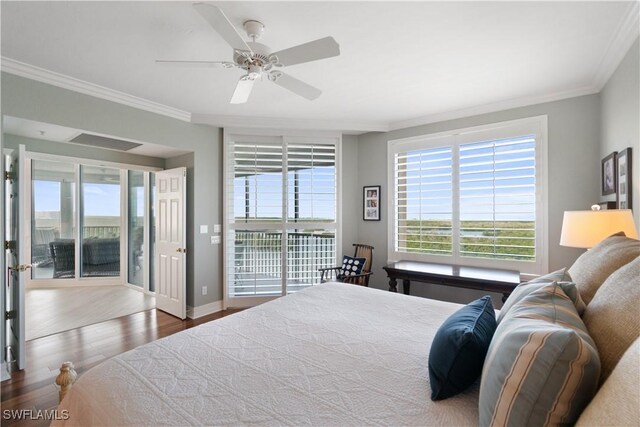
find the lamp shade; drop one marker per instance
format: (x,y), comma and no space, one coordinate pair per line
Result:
(585,229)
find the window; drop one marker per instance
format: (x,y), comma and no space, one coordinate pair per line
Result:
(281,213)
(472,196)
(89,221)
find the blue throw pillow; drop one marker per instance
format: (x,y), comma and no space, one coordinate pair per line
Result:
(352,266)
(459,348)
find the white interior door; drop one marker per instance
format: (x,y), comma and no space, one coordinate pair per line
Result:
(171,247)
(14,257)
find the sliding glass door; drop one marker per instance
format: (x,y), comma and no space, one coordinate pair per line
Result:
(53,220)
(90,222)
(100,221)
(136,228)
(281,214)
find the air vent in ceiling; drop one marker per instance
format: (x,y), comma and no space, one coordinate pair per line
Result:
(104,142)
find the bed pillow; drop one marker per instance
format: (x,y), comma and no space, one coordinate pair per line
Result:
(593,267)
(542,366)
(352,266)
(612,315)
(616,403)
(524,289)
(459,347)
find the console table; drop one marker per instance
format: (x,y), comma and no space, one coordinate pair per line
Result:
(479,278)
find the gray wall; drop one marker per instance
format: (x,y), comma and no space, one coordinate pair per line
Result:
(573,138)
(350,192)
(620,126)
(28,99)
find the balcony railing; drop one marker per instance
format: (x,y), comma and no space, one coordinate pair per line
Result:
(258,261)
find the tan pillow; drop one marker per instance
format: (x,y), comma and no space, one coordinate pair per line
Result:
(612,317)
(594,266)
(617,403)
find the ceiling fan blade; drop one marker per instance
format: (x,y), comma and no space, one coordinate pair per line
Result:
(196,64)
(243,90)
(297,86)
(219,21)
(307,52)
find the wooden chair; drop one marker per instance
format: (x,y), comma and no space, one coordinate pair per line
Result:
(333,273)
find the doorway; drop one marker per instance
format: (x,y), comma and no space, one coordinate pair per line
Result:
(90,242)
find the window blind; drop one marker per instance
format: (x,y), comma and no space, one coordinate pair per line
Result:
(423,183)
(498,199)
(473,196)
(282,222)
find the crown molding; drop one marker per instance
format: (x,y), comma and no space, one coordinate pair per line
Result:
(619,45)
(66,82)
(345,126)
(492,107)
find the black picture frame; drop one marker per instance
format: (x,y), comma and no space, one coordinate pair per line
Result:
(609,174)
(371,203)
(623,179)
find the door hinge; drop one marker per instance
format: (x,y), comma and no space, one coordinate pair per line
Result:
(8,175)
(9,244)
(11,314)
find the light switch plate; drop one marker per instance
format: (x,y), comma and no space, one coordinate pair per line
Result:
(217,228)
(204,290)
(204,229)
(215,240)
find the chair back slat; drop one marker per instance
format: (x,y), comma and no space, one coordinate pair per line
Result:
(366,252)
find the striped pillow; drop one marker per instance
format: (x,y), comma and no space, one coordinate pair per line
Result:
(524,289)
(542,366)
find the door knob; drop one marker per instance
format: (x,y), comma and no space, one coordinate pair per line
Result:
(20,267)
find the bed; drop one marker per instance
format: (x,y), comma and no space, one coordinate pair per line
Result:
(333,354)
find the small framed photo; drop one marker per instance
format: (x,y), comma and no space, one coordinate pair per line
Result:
(371,203)
(609,174)
(623,179)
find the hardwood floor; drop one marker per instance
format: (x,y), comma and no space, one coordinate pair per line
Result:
(33,388)
(52,310)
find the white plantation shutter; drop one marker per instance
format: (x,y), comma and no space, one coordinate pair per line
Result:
(423,183)
(311,182)
(472,197)
(498,199)
(257,182)
(281,209)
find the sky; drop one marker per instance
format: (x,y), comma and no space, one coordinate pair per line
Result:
(99,199)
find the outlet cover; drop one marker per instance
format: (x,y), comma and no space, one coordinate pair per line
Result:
(217,228)
(204,229)
(204,290)
(215,240)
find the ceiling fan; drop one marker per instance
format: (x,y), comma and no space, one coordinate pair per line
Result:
(256,59)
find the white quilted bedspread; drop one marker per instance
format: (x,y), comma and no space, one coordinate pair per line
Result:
(331,355)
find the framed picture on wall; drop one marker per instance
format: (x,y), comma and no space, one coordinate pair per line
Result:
(371,203)
(623,181)
(609,174)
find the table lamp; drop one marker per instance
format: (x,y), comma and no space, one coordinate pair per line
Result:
(585,229)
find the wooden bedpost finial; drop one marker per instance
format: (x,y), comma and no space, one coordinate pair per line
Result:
(66,378)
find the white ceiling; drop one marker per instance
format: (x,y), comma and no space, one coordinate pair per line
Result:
(398,62)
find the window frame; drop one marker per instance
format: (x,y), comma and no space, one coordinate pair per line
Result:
(537,126)
(283,137)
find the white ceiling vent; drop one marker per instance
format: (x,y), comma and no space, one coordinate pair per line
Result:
(104,142)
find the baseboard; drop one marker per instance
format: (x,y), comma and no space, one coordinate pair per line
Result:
(203,310)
